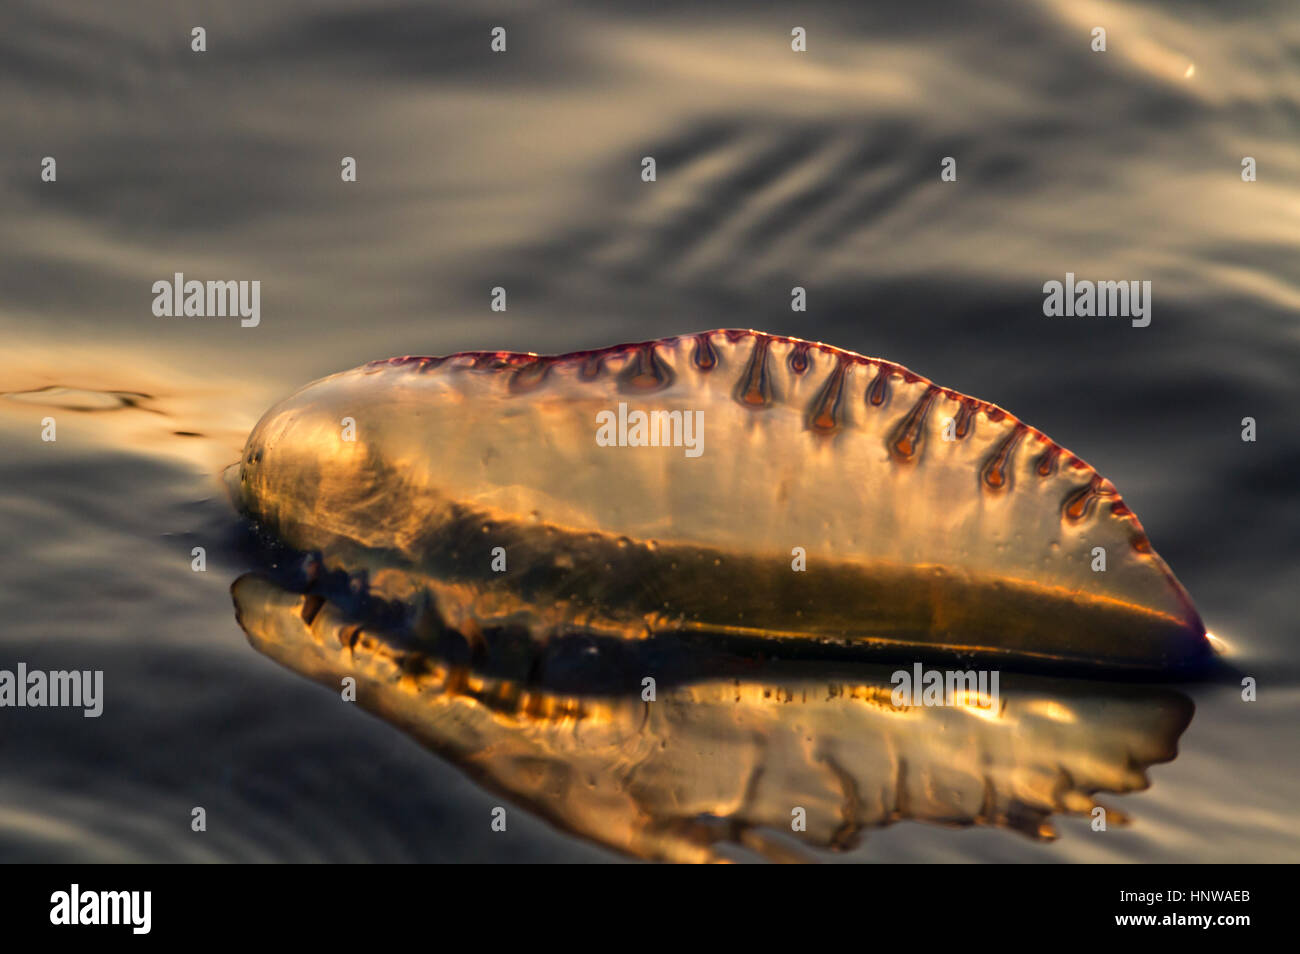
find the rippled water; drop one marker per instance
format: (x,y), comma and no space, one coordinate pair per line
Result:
(522,170)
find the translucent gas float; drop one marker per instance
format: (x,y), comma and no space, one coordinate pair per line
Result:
(731,483)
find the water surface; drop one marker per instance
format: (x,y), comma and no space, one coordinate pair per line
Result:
(522,170)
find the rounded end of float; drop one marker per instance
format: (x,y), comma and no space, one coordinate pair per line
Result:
(232,480)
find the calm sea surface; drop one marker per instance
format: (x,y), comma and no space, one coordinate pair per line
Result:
(523,170)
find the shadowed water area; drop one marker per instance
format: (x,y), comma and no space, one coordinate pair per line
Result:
(522,170)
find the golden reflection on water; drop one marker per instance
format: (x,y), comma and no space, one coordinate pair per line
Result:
(116,398)
(718,767)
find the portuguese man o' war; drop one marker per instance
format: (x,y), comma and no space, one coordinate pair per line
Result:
(833,500)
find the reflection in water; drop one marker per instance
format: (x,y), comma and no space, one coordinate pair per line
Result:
(721,763)
(113,402)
